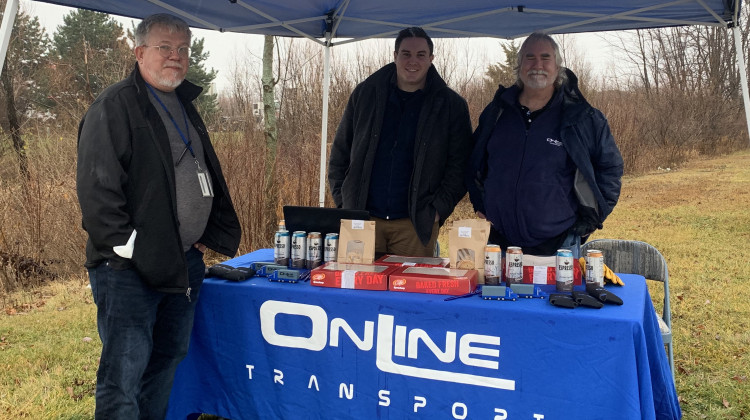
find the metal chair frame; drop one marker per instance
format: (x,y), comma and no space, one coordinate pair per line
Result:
(636,257)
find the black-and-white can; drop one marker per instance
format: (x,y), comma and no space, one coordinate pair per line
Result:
(331,247)
(299,248)
(493,261)
(594,268)
(513,265)
(564,270)
(281,249)
(314,250)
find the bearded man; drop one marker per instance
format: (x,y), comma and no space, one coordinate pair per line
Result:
(545,169)
(153,198)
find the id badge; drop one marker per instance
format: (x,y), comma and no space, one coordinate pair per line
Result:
(205,182)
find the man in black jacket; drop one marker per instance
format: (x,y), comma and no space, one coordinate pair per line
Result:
(153,198)
(401,149)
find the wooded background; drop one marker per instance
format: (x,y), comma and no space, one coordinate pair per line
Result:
(674,94)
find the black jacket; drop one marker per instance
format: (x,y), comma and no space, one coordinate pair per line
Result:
(125,181)
(442,147)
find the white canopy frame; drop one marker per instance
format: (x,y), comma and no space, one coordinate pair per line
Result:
(350,21)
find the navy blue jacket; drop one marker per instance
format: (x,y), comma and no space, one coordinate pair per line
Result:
(441,149)
(587,139)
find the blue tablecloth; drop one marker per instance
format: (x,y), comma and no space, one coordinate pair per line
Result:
(263,350)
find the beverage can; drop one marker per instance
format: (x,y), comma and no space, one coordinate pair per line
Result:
(314,250)
(594,268)
(331,247)
(282,243)
(299,248)
(492,265)
(564,270)
(513,265)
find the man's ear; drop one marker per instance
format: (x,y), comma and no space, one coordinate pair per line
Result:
(138,53)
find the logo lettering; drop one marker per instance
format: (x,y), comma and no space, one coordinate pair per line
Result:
(389,340)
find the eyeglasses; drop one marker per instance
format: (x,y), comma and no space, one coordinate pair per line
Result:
(166,51)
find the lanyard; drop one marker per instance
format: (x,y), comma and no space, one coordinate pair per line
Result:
(185,140)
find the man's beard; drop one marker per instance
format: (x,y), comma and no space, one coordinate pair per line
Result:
(167,81)
(537,83)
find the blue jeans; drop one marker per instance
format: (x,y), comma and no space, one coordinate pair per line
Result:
(145,334)
(573,243)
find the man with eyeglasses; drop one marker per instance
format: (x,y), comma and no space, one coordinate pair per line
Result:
(153,198)
(545,170)
(401,148)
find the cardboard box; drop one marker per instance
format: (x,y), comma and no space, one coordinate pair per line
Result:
(351,276)
(433,280)
(541,270)
(399,261)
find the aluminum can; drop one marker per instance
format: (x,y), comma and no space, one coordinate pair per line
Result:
(281,249)
(513,265)
(493,261)
(314,250)
(299,248)
(564,270)
(594,268)
(331,247)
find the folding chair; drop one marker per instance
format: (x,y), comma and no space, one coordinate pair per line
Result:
(636,257)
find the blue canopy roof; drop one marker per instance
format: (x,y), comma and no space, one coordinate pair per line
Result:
(359,19)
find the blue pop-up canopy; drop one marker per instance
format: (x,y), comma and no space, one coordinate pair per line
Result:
(335,22)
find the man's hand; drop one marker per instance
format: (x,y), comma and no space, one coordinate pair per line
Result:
(200,247)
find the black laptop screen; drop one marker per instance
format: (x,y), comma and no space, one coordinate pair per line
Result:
(319,219)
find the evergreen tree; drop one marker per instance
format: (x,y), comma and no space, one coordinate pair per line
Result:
(93,48)
(503,73)
(207,103)
(23,90)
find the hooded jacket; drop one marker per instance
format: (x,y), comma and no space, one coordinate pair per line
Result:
(586,137)
(126,181)
(442,147)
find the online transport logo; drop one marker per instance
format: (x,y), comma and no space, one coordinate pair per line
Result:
(391,340)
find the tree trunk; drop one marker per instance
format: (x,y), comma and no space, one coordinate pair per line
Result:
(270,131)
(14,127)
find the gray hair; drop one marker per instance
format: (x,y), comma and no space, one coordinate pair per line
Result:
(535,37)
(165,20)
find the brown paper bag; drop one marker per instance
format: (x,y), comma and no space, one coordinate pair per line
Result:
(466,241)
(356,241)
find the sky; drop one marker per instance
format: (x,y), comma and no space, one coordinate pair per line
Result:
(228,49)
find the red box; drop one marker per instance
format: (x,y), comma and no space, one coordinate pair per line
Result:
(351,276)
(400,260)
(541,270)
(433,280)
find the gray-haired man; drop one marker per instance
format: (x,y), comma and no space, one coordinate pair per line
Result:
(153,198)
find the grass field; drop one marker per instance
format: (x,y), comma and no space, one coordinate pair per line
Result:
(696,215)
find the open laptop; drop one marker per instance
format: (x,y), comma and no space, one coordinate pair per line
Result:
(319,219)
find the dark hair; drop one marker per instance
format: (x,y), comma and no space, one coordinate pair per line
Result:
(170,22)
(413,32)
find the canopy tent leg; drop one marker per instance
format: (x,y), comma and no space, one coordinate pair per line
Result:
(743,73)
(6,29)
(324,124)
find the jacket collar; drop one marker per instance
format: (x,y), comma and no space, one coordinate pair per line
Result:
(573,102)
